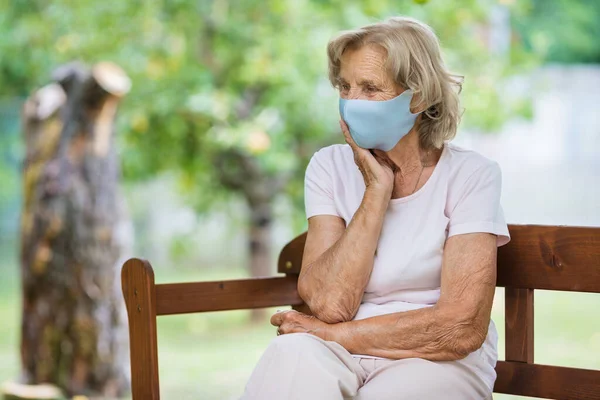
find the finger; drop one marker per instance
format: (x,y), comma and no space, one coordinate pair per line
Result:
(386,162)
(344,127)
(284,329)
(288,328)
(277,318)
(347,136)
(280,316)
(360,155)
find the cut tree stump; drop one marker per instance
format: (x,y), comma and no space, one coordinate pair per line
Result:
(74,234)
(18,391)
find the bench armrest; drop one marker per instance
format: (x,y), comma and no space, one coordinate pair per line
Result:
(180,298)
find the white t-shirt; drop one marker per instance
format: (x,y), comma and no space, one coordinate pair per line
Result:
(461,196)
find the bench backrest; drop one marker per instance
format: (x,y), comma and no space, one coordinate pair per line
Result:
(538,257)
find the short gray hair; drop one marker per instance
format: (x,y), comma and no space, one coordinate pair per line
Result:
(415,62)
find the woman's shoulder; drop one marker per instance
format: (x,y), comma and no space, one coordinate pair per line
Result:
(335,156)
(335,150)
(465,163)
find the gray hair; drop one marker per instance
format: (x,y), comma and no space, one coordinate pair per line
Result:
(415,62)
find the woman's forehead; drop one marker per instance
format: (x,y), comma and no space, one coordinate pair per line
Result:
(364,62)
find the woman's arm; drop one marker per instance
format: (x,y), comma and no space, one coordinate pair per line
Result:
(337,261)
(456,326)
(452,329)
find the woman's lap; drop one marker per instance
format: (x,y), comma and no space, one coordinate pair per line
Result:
(302,366)
(416,378)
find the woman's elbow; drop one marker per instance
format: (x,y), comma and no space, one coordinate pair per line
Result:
(330,308)
(334,315)
(465,341)
(462,336)
(303,291)
(330,311)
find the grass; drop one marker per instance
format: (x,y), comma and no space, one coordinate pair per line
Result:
(211,355)
(9,322)
(566,330)
(202,356)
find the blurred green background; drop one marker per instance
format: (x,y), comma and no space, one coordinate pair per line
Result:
(230,83)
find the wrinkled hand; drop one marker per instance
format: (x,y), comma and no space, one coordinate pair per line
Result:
(378,173)
(296,322)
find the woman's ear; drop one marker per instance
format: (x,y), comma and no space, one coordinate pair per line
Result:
(416,105)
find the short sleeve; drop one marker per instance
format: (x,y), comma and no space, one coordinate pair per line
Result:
(478,206)
(318,186)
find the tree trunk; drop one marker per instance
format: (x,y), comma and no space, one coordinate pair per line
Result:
(241,172)
(74,233)
(260,244)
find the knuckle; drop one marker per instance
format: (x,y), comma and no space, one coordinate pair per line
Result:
(288,316)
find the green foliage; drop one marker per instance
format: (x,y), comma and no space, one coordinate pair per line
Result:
(564,31)
(217,80)
(10,150)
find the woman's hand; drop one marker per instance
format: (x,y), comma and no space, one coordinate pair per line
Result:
(377,172)
(295,322)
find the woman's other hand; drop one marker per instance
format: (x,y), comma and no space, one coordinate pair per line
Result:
(296,322)
(377,172)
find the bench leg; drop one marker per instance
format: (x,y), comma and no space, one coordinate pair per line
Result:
(137,282)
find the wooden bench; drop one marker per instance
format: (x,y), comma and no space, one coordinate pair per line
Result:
(538,257)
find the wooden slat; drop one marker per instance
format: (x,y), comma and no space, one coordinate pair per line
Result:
(518,306)
(547,381)
(537,257)
(181,298)
(290,258)
(137,283)
(552,258)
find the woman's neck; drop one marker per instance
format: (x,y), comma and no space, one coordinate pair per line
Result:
(408,155)
(414,165)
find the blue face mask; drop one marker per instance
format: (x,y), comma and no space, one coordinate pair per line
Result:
(378,124)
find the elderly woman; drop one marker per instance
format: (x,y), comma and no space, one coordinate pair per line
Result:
(399,268)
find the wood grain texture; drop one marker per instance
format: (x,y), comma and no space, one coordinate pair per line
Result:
(537,257)
(137,282)
(518,307)
(547,381)
(181,298)
(552,258)
(290,258)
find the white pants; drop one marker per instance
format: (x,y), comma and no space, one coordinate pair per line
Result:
(300,366)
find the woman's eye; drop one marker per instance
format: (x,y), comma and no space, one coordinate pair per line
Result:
(346,87)
(372,89)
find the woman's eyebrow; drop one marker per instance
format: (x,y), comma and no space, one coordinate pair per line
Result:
(368,82)
(341,81)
